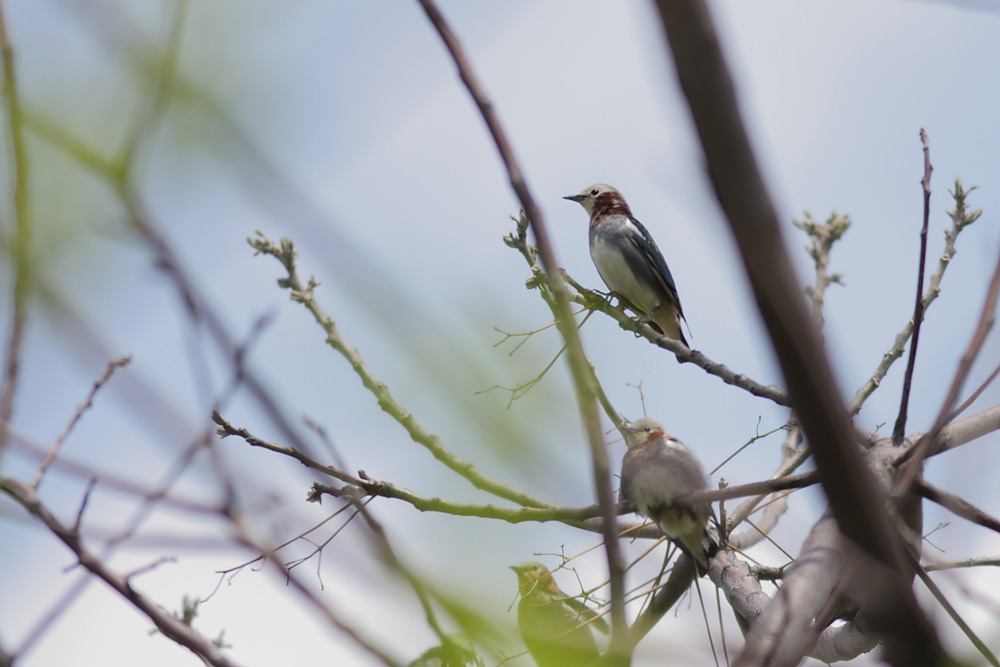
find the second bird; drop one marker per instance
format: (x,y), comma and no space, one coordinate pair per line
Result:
(657,471)
(628,260)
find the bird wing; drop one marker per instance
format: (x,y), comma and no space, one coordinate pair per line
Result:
(655,262)
(582,611)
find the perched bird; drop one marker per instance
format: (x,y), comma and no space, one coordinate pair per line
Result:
(656,471)
(628,260)
(551,622)
(456,651)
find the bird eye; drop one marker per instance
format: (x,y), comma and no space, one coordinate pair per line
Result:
(594,192)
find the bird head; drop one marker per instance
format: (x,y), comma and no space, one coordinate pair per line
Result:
(533,576)
(599,197)
(642,431)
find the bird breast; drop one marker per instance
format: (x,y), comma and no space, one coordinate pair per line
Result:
(621,265)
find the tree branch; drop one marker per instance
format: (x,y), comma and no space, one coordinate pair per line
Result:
(854,498)
(914,457)
(958,506)
(961,218)
(966,430)
(83,407)
(593,301)
(304,294)
(166,623)
(822,237)
(21,187)
(578,364)
(899,429)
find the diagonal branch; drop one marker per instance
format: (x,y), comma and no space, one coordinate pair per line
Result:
(304,293)
(166,623)
(953,613)
(578,364)
(83,407)
(958,506)
(854,499)
(593,301)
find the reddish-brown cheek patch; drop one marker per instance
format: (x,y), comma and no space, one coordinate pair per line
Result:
(608,203)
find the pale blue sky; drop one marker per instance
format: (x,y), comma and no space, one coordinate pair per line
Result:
(362,111)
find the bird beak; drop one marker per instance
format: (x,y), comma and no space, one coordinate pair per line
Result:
(516,569)
(576,198)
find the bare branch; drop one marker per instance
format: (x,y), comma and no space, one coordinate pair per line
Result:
(519,241)
(593,301)
(953,613)
(791,457)
(166,623)
(961,218)
(304,294)
(985,561)
(918,308)
(322,609)
(966,430)
(956,505)
(916,454)
(20,178)
(822,238)
(580,368)
(83,407)
(854,498)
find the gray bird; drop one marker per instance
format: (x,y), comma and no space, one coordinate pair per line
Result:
(658,470)
(628,260)
(554,625)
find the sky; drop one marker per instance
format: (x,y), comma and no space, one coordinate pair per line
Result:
(372,158)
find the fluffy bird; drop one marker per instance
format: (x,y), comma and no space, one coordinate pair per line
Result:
(456,651)
(658,470)
(552,623)
(628,260)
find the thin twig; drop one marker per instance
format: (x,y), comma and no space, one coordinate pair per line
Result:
(952,612)
(323,610)
(974,395)
(519,241)
(899,429)
(304,293)
(20,185)
(915,455)
(961,218)
(822,238)
(984,561)
(580,368)
(83,407)
(82,471)
(166,623)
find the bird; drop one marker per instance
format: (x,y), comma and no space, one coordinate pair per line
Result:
(457,650)
(628,260)
(554,625)
(657,470)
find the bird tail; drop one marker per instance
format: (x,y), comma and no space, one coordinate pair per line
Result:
(701,550)
(668,322)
